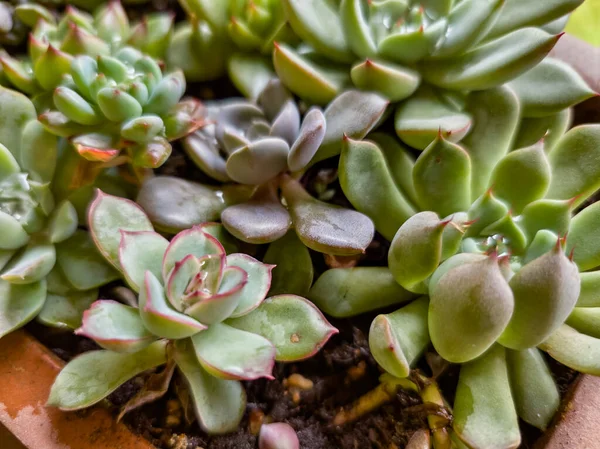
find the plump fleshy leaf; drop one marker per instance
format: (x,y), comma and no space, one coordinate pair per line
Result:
(484,413)
(442,178)
(313,82)
(545,292)
(92,376)
(390,80)
(421,118)
(8,163)
(38,152)
(576,164)
(115,327)
(345,292)
(589,295)
(278,436)
(495,115)
(552,215)
(19,304)
(294,325)
(231,353)
(398,339)
(535,392)
(353,114)
(325,227)
(584,237)
(159,317)
(484,211)
(66,311)
(263,219)
(574,349)
(257,285)
(16,111)
(585,320)
(30,265)
(522,177)
(63,222)
(492,64)
(293,269)
(368,183)
(416,251)
(13,235)
(470,307)
(174,204)
(249,73)
(108,215)
(270,154)
(311,135)
(82,264)
(550,87)
(218,231)
(192,241)
(141,251)
(551,128)
(219,404)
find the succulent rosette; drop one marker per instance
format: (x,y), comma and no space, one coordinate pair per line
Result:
(111,105)
(266,145)
(52,45)
(200,309)
(48,268)
(491,251)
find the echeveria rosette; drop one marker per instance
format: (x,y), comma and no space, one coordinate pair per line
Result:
(199,308)
(52,45)
(478,237)
(266,146)
(46,270)
(122,105)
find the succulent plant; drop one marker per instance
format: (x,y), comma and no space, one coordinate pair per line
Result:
(12,30)
(266,145)
(47,267)
(487,236)
(199,309)
(277,436)
(122,103)
(52,44)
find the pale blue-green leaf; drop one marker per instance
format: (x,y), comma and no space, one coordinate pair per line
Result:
(63,222)
(31,265)
(578,351)
(38,152)
(13,235)
(293,269)
(584,238)
(19,304)
(141,251)
(257,285)
(16,111)
(66,311)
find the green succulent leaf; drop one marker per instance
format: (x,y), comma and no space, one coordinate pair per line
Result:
(312,81)
(420,119)
(16,111)
(589,295)
(65,311)
(115,327)
(486,210)
(30,265)
(293,269)
(367,182)
(397,340)
(543,301)
(310,138)
(508,228)
(390,80)
(51,66)
(92,376)
(442,178)
(550,128)
(13,236)
(521,177)
(8,163)
(352,114)
(578,351)
(416,251)
(585,320)
(159,317)
(257,284)
(495,115)
(63,222)
(174,204)
(317,22)
(535,393)
(234,354)
(269,153)
(325,227)
(19,304)
(346,292)
(484,413)
(552,215)
(38,152)
(470,307)
(250,73)
(584,237)
(575,164)
(300,331)
(108,215)
(219,404)
(493,63)
(141,251)
(82,264)
(550,87)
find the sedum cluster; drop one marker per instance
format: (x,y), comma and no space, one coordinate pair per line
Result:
(199,309)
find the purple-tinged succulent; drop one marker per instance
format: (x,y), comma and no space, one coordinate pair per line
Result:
(277,436)
(198,307)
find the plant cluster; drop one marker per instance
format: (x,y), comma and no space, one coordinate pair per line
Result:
(448,129)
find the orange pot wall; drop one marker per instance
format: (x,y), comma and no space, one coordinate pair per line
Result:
(27,370)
